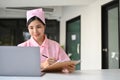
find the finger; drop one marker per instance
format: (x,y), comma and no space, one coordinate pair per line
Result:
(51,61)
(71,68)
(51,58)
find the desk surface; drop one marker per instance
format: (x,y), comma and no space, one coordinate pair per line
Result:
(108,74)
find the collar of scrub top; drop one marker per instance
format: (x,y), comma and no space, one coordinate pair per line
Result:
(36,12)
(44,44)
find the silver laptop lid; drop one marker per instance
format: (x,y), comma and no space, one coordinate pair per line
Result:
(19,61)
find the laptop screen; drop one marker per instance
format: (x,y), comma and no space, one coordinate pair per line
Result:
(19,61)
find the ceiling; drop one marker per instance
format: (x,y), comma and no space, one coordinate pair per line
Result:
(11,7)
(38,3)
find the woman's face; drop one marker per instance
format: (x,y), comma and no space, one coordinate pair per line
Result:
(36,30)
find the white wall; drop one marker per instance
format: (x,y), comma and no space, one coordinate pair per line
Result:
(90,32)
(9,13)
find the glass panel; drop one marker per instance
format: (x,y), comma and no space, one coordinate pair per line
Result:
(113,39)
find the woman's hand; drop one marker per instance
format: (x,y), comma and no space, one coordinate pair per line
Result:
(48,61)
(69,68)
(51,61)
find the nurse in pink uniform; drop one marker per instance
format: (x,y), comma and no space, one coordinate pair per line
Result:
(50,50)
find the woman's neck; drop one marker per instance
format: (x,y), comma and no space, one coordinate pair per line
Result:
(40,41)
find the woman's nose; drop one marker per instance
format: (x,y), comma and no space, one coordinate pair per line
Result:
(35,30)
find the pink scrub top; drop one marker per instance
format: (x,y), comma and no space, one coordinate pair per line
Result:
(49,48)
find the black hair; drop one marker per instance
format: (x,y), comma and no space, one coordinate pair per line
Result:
(34,18)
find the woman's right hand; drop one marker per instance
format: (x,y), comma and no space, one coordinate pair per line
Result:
(48,61)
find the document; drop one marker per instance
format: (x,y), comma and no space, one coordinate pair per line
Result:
(59,66)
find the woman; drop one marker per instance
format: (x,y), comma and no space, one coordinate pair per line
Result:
(50,51)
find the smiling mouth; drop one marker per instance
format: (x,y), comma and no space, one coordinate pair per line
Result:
(37,35)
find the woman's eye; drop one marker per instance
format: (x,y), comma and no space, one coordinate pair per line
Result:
(31,28)
(38,26)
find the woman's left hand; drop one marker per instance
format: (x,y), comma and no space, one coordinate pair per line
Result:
(69,68)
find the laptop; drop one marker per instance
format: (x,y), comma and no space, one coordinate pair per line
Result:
(20,61)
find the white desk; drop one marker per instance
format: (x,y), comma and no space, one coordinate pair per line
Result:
(77,75)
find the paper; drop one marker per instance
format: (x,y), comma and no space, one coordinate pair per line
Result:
(73,37)
(57,67)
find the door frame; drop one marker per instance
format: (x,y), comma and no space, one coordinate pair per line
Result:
(118,1)
(70,21)
(104,32)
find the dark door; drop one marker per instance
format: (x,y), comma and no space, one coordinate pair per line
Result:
(73,39)
(110,36)
(52,29)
